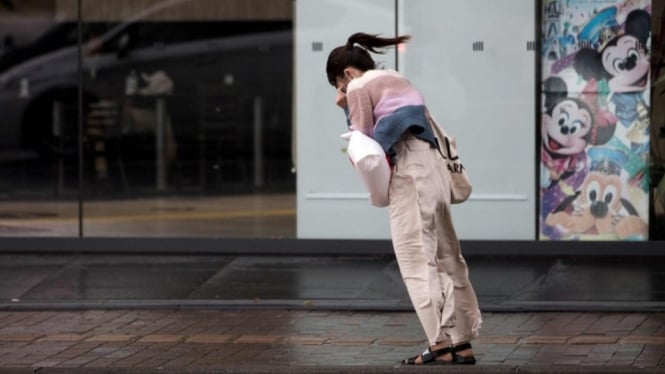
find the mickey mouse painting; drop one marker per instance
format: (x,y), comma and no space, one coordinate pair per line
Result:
(619,56)
(621,59)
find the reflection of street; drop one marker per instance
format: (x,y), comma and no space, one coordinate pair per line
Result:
(171,137)
(245,216)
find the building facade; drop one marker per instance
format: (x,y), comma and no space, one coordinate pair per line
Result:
(209,124)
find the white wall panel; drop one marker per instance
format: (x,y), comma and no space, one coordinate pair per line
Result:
(332,202)
(484,98)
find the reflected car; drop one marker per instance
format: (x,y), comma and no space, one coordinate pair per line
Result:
(219,71)
(55,36)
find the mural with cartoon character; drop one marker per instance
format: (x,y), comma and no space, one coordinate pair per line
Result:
(595,97)
(568,127)
(600,208)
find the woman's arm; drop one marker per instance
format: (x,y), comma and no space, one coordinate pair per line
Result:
(361,111)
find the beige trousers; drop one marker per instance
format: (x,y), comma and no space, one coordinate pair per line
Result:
(426,246)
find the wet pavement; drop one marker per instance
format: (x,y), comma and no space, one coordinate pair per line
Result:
(503,283)
(277,340)
(307,314)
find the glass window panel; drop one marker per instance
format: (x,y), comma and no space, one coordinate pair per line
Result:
(187,119)
(38,143)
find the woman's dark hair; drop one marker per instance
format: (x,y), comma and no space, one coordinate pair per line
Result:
(355,53)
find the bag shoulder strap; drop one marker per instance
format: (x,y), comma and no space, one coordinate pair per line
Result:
(440,134)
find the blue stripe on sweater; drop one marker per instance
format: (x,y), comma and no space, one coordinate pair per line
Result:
(390,128)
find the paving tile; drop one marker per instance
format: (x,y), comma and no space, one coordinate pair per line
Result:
(352,341)
(19,337)
(184,361)
(78,361)
(150,362)
(604,349)
(633,339)
(101,362)
(579,350)
(619,355)
(605,324)
(603,356)
(630,348)
(593,339)
(111,338)
(646,363)
(496,356)
(257,339)
(653,351)
(78,349)
(498,339)
(525,353)
(63,338)
(46,363)
(620,363)
(552,349)
(568,361)
(632,320)
(209,339)
(141,356)
(125,351)
(161,339)
(307,340)
(539,339)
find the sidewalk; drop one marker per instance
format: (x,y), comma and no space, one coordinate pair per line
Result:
(369,283)
(294,314)
(302,341)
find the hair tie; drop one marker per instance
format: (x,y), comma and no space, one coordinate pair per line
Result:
(362,47)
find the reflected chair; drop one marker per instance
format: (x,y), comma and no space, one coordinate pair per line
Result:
(103,139)
(64,141)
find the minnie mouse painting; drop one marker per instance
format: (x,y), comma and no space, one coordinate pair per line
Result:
(568,126)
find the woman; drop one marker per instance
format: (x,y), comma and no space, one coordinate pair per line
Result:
(385,106)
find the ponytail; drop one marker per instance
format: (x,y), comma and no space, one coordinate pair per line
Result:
(355,53)
(371,42)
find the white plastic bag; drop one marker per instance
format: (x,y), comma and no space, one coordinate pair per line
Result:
(370,161)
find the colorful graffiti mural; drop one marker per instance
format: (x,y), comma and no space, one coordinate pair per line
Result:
(594,125)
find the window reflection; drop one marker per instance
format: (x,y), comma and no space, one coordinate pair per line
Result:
(185,113)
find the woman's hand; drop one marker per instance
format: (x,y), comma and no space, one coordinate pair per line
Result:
(340,99)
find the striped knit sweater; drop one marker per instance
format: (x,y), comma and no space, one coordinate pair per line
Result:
(383,104)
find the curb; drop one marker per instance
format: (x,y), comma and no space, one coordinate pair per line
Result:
(254,369)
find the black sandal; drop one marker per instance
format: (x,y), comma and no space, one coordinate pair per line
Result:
(429,357)
(462,360)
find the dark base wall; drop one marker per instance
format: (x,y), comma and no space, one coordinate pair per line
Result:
(316,247)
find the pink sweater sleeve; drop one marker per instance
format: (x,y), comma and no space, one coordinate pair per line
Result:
(361,111)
